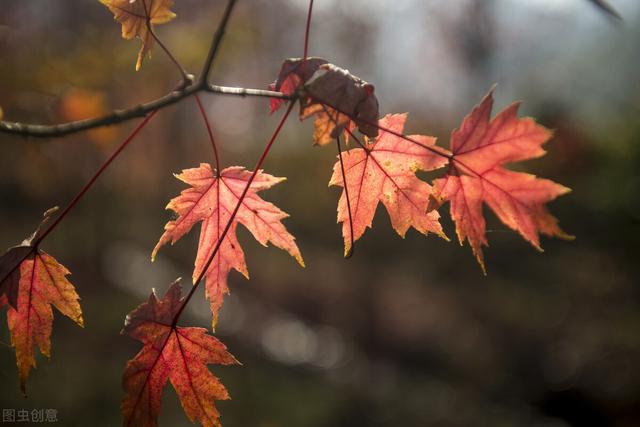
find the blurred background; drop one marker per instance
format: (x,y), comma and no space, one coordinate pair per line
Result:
(407,332)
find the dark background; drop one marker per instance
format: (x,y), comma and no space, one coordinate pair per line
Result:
(407,332)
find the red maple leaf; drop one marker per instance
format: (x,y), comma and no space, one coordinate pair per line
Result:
(211,199)
(32,281)
(177,354)
(476,174)
(385,171)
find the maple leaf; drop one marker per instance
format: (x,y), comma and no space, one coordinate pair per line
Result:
(32,281)
(324,88)
(177,354)
(476,175)
(385,171)
(133,15)
(211,199)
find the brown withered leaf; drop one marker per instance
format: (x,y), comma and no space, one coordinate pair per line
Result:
(338,99)
(292,76)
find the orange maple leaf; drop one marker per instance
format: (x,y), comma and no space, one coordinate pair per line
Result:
(211,200)
(476,174)
(177,354)
(32,281)
(385,171)
(133,15)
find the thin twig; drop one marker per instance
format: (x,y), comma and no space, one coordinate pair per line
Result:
(93,179)
(348,254)
(82,192)
(366,149)
(306,32)
(243,92)
(453,160)
(215,44)
(187,78)
(203,113)
(606,7)
(432,148)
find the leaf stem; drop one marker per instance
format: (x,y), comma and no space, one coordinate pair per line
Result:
(434,149)
(203,113)
(82,192)
(306,32)
(349,253)
(93,179)
(187,79)
(346,128)
(453,160)
(215,44)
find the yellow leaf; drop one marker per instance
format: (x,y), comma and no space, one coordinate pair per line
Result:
(134,14)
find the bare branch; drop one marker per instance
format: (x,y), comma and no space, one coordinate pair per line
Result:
(215,43)
(606,7)
(119,116)
(244,92)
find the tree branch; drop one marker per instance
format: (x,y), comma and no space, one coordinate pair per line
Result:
(215,43)
(119,116)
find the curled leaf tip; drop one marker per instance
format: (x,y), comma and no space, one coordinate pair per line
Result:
(348,253)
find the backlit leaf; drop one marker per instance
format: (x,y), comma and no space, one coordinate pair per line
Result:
(476,175)
(210,200)
(33,281)
(385,171)
(173,353)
